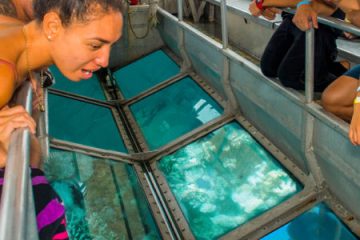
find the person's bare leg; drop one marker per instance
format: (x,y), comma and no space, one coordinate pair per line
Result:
(338,97)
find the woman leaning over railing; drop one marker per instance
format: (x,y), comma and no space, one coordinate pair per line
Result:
(77,37)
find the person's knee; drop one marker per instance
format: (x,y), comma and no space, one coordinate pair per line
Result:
(329,101)
(290,80)
(267,70)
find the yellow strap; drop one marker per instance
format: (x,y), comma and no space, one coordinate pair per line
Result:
(357,100)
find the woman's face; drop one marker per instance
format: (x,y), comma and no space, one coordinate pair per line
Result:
(80,49)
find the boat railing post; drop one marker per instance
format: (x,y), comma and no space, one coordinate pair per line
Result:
(17,210)
(308,133)
(180,10)
(186,64)
(309,65)
(232,105)
(224,26)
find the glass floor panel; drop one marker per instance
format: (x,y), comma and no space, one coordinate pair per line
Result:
(224,179)
(89,88)
(103,199)
(172,112)
(319,223)
(145,73)
(83,123)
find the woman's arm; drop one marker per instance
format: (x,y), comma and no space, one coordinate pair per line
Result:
(348,5)
(270,7)
(280,3)
(354,17)
(7,80)
(307,14)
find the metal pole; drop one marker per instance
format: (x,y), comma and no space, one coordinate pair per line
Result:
(224,31)
(309,65)
(309,119)
(180,10)
(16,220)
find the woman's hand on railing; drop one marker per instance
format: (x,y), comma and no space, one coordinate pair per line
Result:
(254,10)
(304,16)
(10,120)
(268,12)
(354,132)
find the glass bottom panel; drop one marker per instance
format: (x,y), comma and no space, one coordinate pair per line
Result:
(103,199)
(89,88)
(225,179)
(145,73)
(174,111)
(319,223)
(83,123)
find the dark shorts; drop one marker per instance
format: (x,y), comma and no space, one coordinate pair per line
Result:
(353,72)
(50,212)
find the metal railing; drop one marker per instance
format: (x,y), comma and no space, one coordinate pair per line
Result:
(17,209)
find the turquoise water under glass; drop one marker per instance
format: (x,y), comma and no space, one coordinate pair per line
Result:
(145,73)
(103,199)
(173,112)
(88,88)
(83,123)
(319,223)
(224,179)
(220,181)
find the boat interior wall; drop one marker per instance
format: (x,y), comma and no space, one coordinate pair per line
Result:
(138,38)
(279,113)
(341,173)
(248,35)
(272,113)
(210,63)
(169,32)
(341,186)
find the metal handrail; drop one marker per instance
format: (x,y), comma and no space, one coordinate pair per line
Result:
(17,209)
(339,24)
(333,22)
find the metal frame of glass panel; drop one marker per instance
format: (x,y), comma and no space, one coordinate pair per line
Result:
(320,190)
(169,217)
(260,225)
(167,228)
(112,155)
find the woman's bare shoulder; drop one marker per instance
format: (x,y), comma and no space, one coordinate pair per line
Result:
(10,20)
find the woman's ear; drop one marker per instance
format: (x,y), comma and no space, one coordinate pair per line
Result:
(52,25)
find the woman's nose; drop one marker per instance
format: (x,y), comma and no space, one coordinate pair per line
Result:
(102,59)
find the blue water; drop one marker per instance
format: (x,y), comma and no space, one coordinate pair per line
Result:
(220,181)
(83,123)
(145,73)
(224,179)
(173,112)
(319,223)
(103,199)
(89,88)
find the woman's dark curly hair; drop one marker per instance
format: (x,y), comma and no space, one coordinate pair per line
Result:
(80,10)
